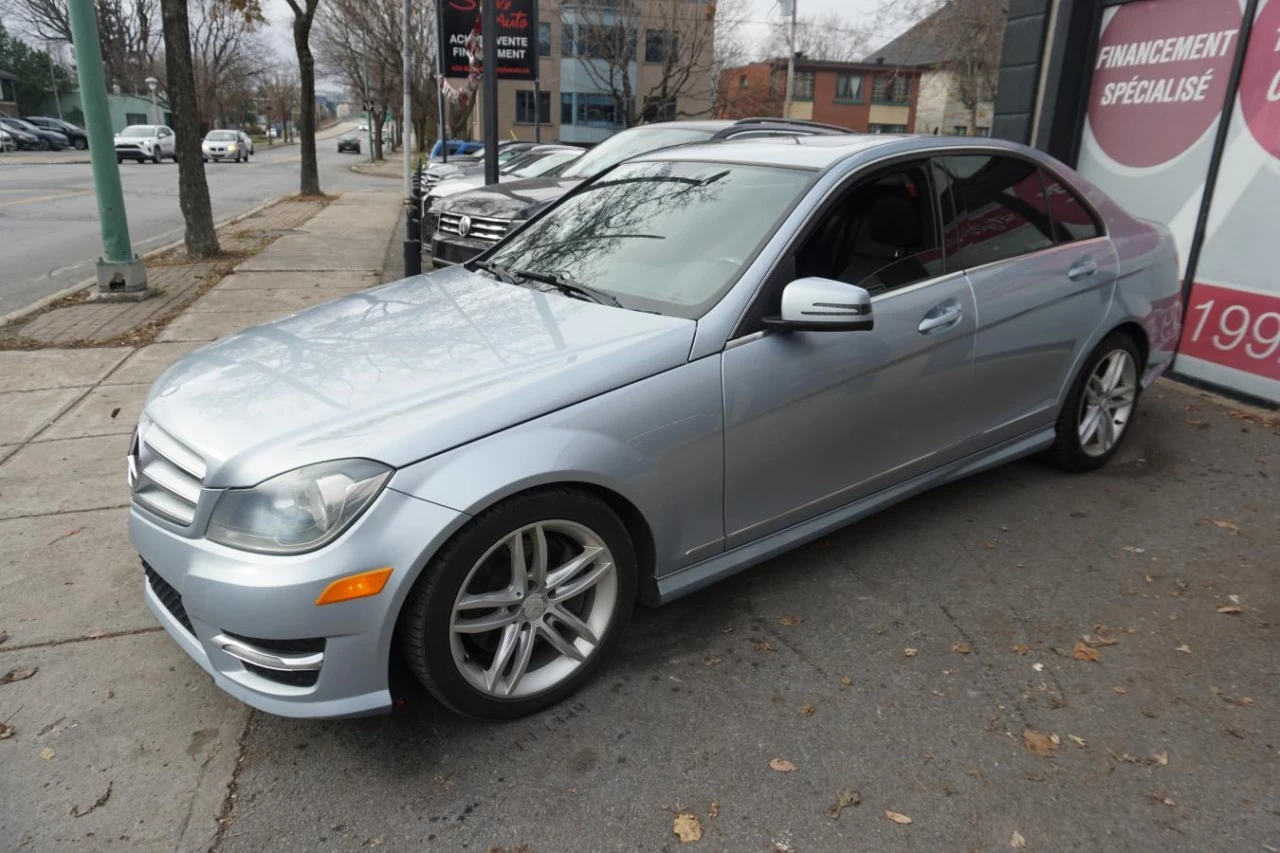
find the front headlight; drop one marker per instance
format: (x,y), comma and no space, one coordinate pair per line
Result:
(298,511)
(231,147)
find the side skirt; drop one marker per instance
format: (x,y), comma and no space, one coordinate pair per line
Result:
(699,575)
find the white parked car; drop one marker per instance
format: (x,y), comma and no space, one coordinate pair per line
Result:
(7,143)
(223,145)
(143,142)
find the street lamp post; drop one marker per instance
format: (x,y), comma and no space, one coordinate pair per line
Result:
(121,274)
(152,83)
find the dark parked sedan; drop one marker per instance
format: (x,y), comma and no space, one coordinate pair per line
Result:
(24,140)
(76,135)
(350,142)
(45,139)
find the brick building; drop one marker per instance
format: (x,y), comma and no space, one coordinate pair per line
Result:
(867,97)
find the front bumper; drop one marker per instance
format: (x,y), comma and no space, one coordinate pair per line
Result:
(213,600)
(450,250)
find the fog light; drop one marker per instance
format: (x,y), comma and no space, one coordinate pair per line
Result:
(362,585)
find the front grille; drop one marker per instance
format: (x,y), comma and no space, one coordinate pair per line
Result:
(309,645)
(485,228)
(169,597)
(165,475)
(430,221)
(295,678)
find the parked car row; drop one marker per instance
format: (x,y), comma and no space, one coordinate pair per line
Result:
(31,137)
(699,346)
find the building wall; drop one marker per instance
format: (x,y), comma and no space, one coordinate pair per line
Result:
(124,109)
(941,111)
(765,86)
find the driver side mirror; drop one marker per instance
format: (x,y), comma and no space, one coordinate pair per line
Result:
(823,305)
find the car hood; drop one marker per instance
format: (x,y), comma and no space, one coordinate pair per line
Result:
(514,200)
(135,139)
(402,372)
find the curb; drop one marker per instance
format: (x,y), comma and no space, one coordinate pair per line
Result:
(45,301)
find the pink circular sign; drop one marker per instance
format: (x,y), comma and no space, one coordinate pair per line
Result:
(1160,77)
(1260,80)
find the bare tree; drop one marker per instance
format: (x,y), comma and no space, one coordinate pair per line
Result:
(130,44)
(827,38)
(227,56)
(193,192)
(279,90)
(669,42)
(304,13)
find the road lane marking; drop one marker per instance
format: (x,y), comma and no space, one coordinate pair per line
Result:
(41,198)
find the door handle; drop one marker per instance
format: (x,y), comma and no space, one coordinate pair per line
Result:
(940,317)
(1082,268)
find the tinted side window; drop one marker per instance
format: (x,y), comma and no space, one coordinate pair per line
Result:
(999,209)
(1072,218)
(879,235)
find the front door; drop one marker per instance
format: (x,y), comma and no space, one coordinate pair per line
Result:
(815,420)
(1042,274)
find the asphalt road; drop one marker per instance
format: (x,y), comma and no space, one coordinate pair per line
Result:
(49,234)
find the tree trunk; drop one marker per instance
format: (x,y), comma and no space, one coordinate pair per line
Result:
(309,183)
(193,192)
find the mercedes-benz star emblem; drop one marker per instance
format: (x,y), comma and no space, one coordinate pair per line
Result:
(464,226)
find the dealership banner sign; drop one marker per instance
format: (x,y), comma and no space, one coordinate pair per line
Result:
(516,38)
(1159,94)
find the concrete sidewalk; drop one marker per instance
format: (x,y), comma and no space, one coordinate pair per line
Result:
(119,742)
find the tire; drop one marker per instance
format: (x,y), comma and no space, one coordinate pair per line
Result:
(42,144)
(1071,449)
(155,156)
(451,664)
(81,145)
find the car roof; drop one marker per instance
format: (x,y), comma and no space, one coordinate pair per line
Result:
(819,152)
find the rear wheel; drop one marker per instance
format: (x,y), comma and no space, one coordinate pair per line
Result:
(1100,406)
(522,606)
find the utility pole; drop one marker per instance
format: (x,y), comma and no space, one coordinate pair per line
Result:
(791,59)
(441,60)
(121,274)
(490,58)
(152,83)
(53,80)
(537,76)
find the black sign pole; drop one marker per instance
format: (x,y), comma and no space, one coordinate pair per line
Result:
(442,58)
(490,27)
(537,76)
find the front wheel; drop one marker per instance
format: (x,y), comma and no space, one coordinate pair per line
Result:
(1100,406)
(42,145)
(81,145)
(155,156)
(522,606)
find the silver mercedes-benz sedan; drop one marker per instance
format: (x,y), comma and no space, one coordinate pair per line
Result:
(696,361)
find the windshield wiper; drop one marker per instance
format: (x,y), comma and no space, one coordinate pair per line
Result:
(498,271)
(568,286)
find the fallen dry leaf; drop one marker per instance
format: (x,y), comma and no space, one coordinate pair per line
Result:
(962,648)
(1119,690)
(47,753)
(1085,653)
(844,799)
(20,674)
(1226,524)
(714,811)
(1161,798)
(1021,648)
(6,731)
(1134,549)
(846,681)
(789,621)
(1162,757)
(782,765)
(96,634)
(1097,640)
(764,647)
(1016,840)
(911,652)
(1039,743)
(1230,609)
(1184,648)
(713,660)
(1078,741)
(1038,667)
(806,710)
(687,827)
(897,818)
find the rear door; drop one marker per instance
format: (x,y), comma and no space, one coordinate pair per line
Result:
(1042,273)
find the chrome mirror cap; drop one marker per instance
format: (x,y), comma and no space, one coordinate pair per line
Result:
(822,305)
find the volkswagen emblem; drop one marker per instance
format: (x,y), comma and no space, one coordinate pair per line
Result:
(464,226)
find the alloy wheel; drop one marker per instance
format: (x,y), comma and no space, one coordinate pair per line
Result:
(1107,403)
(533,609)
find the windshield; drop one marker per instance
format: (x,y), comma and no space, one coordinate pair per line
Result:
(545,163)
(660,236)
(221,136)
(139,130)
(629,143)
